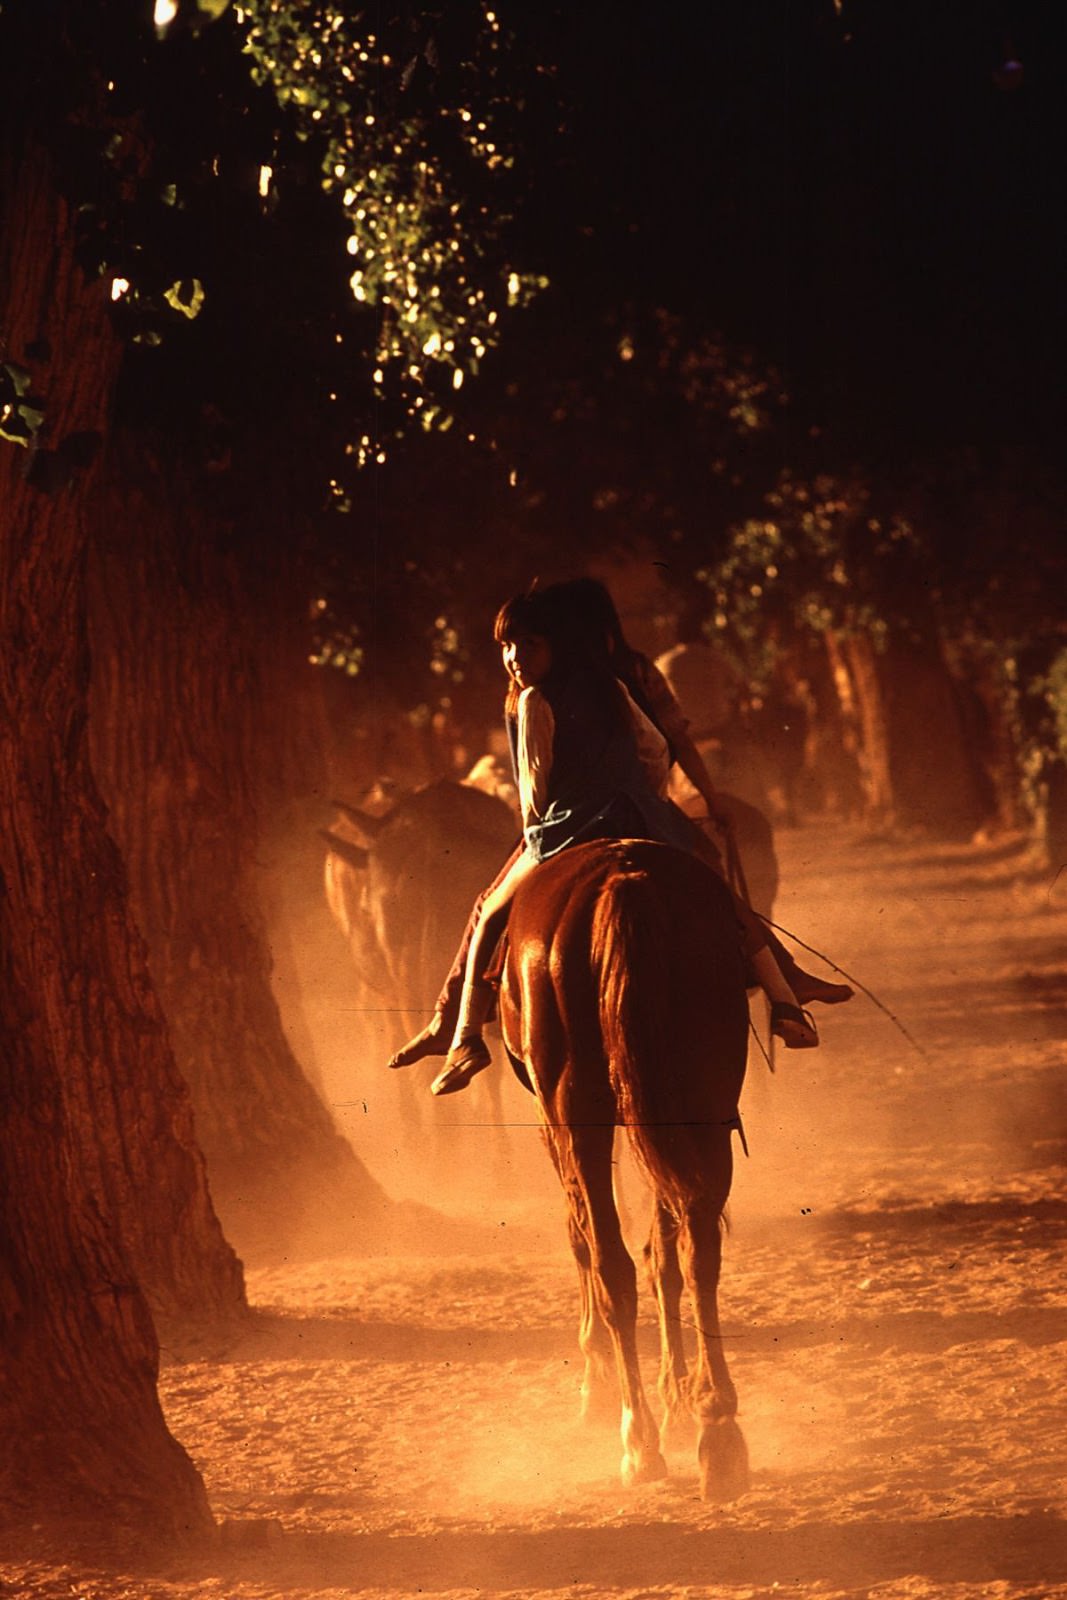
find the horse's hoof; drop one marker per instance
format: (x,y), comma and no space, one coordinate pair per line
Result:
(724,1471)
(676,1429)
(650,1467)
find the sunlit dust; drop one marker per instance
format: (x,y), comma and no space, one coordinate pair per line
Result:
(405,1401)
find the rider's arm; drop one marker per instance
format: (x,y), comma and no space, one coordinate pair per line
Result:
(652,750)
(535,733)
(675,724)
(692,764)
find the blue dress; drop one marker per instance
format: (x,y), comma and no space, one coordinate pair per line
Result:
(597,788)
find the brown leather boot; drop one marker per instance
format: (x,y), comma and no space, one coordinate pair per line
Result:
(793,1026)
(434,1040)
(469,1053)
(807,987)
(465,1061)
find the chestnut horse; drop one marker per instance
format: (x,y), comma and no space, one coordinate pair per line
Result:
(623,999)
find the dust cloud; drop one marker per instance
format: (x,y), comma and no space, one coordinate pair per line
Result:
(893,1302)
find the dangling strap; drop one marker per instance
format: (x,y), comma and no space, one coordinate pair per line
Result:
(768,1057)
(855,982)
(735,1125)
(735,872)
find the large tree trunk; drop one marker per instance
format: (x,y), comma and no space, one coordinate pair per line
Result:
(854,667)
(103,1199)
(828,780)
(916,762)
(182,727)
(993,733)
(938,783)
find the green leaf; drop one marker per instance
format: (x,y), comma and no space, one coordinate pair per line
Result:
(186,296)
(13,428)
(32,415)
(19,376)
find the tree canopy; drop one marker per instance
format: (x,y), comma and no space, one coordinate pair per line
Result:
(188,145)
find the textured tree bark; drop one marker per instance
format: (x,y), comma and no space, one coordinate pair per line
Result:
(192,721)
(995,742)
(937,776)
(855,673)
(828,780)
(103,1198)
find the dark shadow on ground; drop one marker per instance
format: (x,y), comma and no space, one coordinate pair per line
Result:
(914,1332)
(350,1338)
(975,1549)
(958,1000)
(964,1215)
(277,1336)
(884,853)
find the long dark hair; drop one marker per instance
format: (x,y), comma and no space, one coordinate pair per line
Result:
(578,648)
(594,615)
(522,614)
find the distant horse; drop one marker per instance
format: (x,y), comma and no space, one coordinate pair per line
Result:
(623,1000)
(400,887)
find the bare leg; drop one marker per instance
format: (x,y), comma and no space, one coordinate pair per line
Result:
(436,1038)
(468,1053)
(806,986)
(786,985)
(788,1022)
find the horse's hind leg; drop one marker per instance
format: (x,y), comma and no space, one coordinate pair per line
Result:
(583,1157)
(665,1277)
(599,1391)
(600,1399)
(723,1455)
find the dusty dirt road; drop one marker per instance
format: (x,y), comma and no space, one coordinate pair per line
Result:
(894,1298)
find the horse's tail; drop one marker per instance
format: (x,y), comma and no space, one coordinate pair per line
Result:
(632,950)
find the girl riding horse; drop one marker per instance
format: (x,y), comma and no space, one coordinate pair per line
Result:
(590,764)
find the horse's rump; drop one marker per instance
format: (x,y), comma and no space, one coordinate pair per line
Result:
(627,954)
(666,951)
